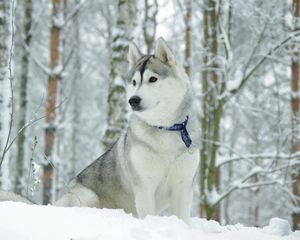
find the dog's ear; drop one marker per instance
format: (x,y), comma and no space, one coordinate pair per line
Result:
(163,52)
(134,54)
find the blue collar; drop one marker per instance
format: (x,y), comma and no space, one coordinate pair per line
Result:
(181,127)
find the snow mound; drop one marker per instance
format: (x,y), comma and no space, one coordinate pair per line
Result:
(278,226)
(32,222)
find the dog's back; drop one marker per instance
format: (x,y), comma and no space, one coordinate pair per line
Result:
(105,177)
(9,196)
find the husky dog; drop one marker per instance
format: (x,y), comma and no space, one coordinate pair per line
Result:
(153,164)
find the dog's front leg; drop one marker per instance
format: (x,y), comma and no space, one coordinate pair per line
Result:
(182,176)
(181,201)
(144,201)
(147,171)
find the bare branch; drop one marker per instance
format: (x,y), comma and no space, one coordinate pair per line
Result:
(273,50)
(229,148)
(246,77)
(30,123)
(261,156)
(255,171)
(74,12)
(44,68)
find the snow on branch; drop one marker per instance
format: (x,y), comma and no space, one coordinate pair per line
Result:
(229,148)
(296,156)
(256,170)
(44,68)
(266,56)
(73,13)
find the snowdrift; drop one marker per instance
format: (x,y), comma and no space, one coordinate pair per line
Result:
(19,221)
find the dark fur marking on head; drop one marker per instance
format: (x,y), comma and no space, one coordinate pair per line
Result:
(144,65)
(141,64)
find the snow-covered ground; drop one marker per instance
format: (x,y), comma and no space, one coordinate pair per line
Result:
(19,221)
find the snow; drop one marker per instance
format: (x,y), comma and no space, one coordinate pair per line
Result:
(279,227)
(30,222)
(213,196)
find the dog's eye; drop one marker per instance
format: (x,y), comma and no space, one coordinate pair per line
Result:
(153,79)
(133,82)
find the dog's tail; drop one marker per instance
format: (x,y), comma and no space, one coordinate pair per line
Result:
(9,196)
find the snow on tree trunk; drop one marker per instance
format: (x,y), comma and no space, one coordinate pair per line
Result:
(212,107)
(75,95)
(53,81)
(295,104)
(117,105)
(6,43)
(23,97)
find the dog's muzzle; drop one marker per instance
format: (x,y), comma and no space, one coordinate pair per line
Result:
(134,102)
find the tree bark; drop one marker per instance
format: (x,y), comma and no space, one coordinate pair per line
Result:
(23,96)
(295,103)
(57,6)
(187,22)
(150,23)
(75,95)
(204,117)
(212,108)
(117,104)
(5,96)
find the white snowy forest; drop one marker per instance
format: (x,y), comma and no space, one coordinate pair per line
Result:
(62,95)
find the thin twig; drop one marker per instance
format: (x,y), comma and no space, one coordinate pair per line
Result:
(74,12)
(246,77)
(22,129)
(255,156)
(31,122)
(229,148)
(278,46)
(253,173)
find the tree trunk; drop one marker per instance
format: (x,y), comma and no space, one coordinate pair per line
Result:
(212,109)
(204,117)
(5,96)
(23,97)
(295,115)
(57,6)
(187,52)
(150,23)
(75,96)
(117,104)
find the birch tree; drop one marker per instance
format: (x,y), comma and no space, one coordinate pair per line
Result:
(6,45)
(117,105)
(75,95)
(23,96)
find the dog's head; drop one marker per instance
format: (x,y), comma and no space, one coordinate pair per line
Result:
(157,87)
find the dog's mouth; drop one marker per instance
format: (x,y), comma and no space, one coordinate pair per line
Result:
(139,108)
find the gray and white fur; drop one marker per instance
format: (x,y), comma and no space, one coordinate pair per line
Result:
(148,168)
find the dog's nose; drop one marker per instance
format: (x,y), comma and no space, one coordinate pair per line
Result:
(134,101)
